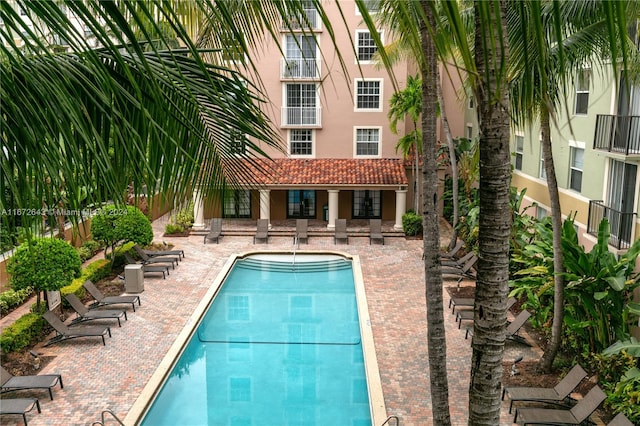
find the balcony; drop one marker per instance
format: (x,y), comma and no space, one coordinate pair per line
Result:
(619,134)
(299,68)
(308,21)
(301,117)
(621,224)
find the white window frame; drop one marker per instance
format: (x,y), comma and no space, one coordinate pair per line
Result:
(285,102)
(312,142)
(355,141)
(357,41)
(356,94)
(469,131)
(581,91)
(542,172)
(573,145)
(371,12)
(518,152)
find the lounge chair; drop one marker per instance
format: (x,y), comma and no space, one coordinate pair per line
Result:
(574,416)
(555,395)
(467,314)
(44,381)
(65,333)
(302,226)
(375,231)
(460,301)
(262,231)
(149,269)
(512,329)
(215,230)
(459,263)
(451,254)
(620,420)
(169,255)
(85,314)
(19,406)
(466,271)
(101,300)
(146,259)
(341,231)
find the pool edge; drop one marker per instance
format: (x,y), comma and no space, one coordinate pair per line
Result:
(374,384)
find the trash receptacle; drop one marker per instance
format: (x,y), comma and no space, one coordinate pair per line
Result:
(325,213)
(133,279)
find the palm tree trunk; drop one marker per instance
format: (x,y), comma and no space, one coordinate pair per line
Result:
(492,286)
(549,355)
(437,342)
(454,163)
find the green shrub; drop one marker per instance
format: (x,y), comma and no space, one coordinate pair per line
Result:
(411,223)
(173,228)
(185,217)
(12,298)
(88,249)
(44,264)
(624,396)
(115,224)
(22,333)
(95,271)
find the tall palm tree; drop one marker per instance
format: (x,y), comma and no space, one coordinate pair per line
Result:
(537,95)
(408,102)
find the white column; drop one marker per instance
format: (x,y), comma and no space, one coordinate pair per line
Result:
(401,207)
(265,205)
(333,208)
(198,210)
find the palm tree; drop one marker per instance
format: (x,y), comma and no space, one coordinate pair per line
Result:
(537,95)
(408,102)
(128,111)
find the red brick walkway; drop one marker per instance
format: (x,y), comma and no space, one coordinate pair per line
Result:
(112,377)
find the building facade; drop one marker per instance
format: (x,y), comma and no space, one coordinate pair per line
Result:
(596,151)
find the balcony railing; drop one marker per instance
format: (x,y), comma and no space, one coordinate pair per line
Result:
(299,68)
(621,224)
(308,21)
(301,116)
(618,133)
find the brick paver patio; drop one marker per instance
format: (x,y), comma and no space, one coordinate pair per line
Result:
(100,377)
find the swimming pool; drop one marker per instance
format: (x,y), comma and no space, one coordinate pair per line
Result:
(278,345)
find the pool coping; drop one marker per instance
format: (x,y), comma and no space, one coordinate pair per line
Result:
(374,383)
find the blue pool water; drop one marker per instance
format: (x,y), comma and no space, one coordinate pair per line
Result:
(278,346)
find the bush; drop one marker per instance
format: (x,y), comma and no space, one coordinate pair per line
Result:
(173,228)
(411,223)
(185,217)
(12,298)
(44,264)
(88,249)
(95,271)
(113,225)
(22,333)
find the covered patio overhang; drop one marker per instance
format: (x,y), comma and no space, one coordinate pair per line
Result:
(329,174)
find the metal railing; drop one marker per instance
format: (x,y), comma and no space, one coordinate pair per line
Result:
(301,116)
(618,133)
(299,68)
(386,422)
(102,418)
(309,21)
(620,223)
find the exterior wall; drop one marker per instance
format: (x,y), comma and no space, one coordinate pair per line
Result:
(335,138)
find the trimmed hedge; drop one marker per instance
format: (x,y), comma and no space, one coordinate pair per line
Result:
(22,333)
(28,328)
(12,298)
(411,223)
(94,271)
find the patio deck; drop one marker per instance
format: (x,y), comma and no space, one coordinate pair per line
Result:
(100,377)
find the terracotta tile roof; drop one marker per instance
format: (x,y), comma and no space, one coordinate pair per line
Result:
(326,171)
